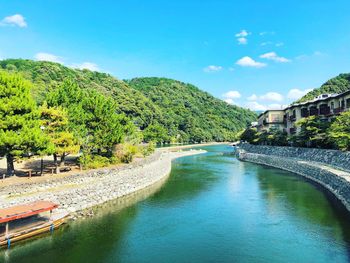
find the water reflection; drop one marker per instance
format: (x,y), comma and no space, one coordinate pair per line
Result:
(213,208)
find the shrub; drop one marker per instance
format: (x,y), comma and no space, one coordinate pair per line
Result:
(89,161)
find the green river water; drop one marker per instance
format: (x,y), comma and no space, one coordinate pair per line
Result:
(212,208)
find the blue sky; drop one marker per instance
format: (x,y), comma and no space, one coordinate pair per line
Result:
(257,54)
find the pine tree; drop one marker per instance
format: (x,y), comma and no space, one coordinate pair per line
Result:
(20,131)
(54,121)
(339,132)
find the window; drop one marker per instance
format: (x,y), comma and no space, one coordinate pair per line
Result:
(348,103)
(332,105)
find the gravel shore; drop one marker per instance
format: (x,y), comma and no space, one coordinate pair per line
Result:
(84,190)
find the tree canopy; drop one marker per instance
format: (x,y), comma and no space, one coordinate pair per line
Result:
(185,113)
(20,131)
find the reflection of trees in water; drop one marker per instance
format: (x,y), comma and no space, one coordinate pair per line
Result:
(189,177)
(90,240)
(304,199)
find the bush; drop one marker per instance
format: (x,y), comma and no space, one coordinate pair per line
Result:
(89,161)
(125,152)
(148,149)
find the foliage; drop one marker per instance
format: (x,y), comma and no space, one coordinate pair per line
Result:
(92,161)
(148,149)
(187,113)
(339,131)
(54,121)
(125,152)
(250,135)
(338,84)
(156,133)
(278,138)
(313,132)
(92,117)
(191,115)
(20,131)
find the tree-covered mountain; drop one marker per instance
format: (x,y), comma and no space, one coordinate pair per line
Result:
(165,110)
(339,84)
(192,113)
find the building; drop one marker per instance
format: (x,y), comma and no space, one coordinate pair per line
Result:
(326,106)
(271,119)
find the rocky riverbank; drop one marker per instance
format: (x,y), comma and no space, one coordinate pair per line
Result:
(322,166)
(84,190)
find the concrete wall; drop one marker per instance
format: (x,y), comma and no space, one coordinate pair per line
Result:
(305,162)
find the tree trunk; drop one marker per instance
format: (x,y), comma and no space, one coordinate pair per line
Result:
(10,165)
(41,166)
(63,158)
(56,163)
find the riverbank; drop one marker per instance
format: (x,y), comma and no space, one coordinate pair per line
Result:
(328,168)
(85,190)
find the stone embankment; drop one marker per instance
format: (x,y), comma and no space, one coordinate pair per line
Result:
(87,189)
(329,168)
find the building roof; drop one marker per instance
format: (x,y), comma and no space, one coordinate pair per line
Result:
(268,111)
(22,211)
(316,100)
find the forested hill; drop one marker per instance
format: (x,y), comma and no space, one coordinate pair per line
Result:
(339,84)
(192,111)
(165,110)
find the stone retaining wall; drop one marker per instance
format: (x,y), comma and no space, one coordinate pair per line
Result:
(84,190)
(337,181)
(338,159)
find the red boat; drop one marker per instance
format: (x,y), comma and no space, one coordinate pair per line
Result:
(25,221)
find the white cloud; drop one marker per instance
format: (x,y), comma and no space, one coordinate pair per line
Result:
(276,106)
(232,94)
(255,106)
(266,33)
(15,20)
(243,33)
(314,54)
(249,62)
(88,65)
(279,44)
(295,94)
(48,57)
(242,37)
(212,68)
(272,96)
(231,69)
(242,41)
(229,101)
(274,57)
(266,43)
(253,97)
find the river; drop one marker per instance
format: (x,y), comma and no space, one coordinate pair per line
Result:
(213,208)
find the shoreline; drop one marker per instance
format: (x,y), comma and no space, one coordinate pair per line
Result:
(334,179)
(83,191)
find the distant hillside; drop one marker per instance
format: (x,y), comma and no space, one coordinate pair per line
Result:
(338,84)
(186,113)
(192,111)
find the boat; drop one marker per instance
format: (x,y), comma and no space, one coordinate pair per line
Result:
(25,221)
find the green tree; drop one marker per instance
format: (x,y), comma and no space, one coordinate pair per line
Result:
(93,117)
(54,122)
(155,133)
(20,131)
(339,131)
(277,138)
(313,132)
(250,135)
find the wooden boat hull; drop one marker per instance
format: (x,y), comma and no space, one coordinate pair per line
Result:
(34,232)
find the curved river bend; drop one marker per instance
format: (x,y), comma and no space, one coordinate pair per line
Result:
(213,208)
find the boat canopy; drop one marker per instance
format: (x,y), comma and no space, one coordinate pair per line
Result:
(22,211)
